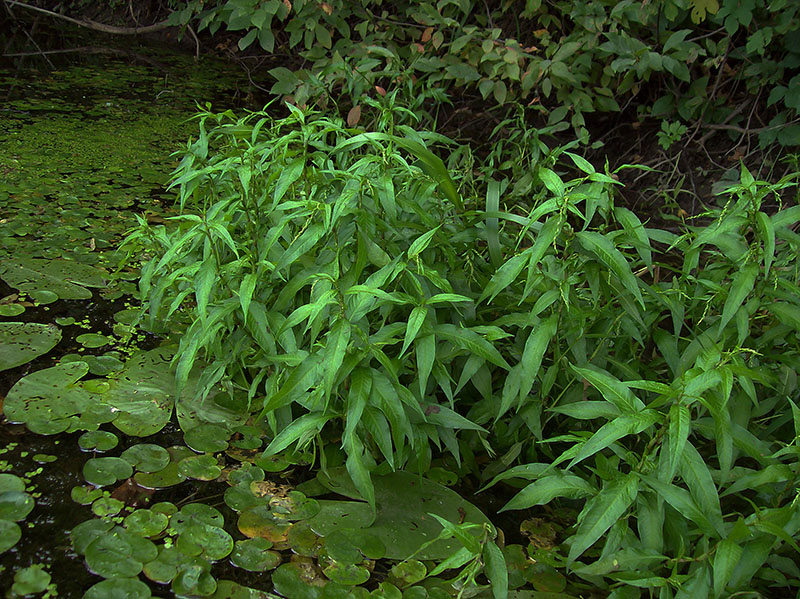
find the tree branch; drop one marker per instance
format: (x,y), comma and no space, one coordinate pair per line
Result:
(93,24)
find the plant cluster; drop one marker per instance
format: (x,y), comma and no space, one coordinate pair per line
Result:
(349,295)
(694,61)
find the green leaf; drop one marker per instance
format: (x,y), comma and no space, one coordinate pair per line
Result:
(628,424)
(680,425)
(246,289)
(492,233)
(360,386)
(611,388)
(496,570)
(425,350)
(289,175)
(358,471)
(767,232)
(303,428)
(682,501)
(547,488)
(727,555)
(335,351)
(613,259)
(505,275)
(415,321)
(602,511)
(739,290)
(535,348)
(697,477)
(472,342)
(420,243)
(635,228)
(300,246)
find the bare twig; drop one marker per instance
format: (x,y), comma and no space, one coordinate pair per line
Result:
(93,24)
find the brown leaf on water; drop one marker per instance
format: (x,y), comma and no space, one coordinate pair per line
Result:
(131,494)
(354,116)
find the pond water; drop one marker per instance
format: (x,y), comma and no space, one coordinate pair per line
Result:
(109,485)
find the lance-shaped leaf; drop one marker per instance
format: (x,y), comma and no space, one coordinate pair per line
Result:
(547,488)
(740,288)
(602,511)
(627,424)
(613,259)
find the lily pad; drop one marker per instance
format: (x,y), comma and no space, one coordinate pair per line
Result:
(21,342)
(165,567)
(10,534)
(202,540)
(92,340)
(11,482)
(403,501)
(48,398)
(298,580)
(29,581)
(194,580)
(66,279)
(294,506)
(106,471)
(227,589)
(11,309)
(85,495)
(347,574)
(105,507)
(146,457)
(259,521)
(195,514)
(98,441)
(408,572)
(207,437)
(15,505)
(119,553)
(167,476)
(86,532)
(146,523)
(201,467)
(253,555)
(119,588)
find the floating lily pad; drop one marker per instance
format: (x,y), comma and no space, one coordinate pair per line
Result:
(10,534)
(207,437)
(240,497)
(259,521)
(30,581)
(165,567)
(340,549)
(247,472)
(408,572)
(403,501)
(304,541)
(21,342)
(44,458)
(119,553)
(15,505)
(247,437)
(11,482)
(98,441)
(347,574)
(92,340)
(104,365)
(146,457)
(48,398)
(294,506)
(194,580)
(105,507)
(11,309)
(201,467)
(85,495)
(106,471)
(195,514)
(202,540)
(254,555)
(119,588)
(227,589)
(167,476)
(66,279)
(143,392)
(298,580)
(86,532)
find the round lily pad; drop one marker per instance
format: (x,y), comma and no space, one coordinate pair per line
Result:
(296,581)
(258,521)
(304,541)
(106,471)
(105,507)
(167,476)
(146,457)
(207,437)
(22,342)
(85,495)
(97,440)
(165,567)
(11,309)
(98,386)
(10,534)
(294,506)
(114,554)
(42,297)
(194,580)
(44,458)
(119,588)
(11,482)
(86,532)
(92,340)
(29,581)
(103,365)
(15,505)
(247,472)
(202,540)
(227,589)
(340,549)
(196,514)
(254,555)
(167,508)
(146,523)
(347,574)
(408,572)
(201,467)
(62,278)
(240,497)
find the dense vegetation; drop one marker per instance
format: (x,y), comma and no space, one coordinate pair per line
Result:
(335,285)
